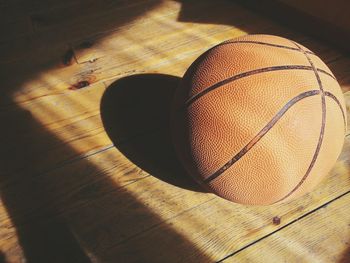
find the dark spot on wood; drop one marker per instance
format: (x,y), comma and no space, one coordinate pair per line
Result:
(79,85)
(85,44)
(276,220)
(67,58)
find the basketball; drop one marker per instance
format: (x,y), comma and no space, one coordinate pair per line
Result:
(259,119)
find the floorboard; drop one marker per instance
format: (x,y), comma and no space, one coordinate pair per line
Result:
(88,169)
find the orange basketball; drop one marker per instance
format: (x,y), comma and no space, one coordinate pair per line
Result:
(258,119)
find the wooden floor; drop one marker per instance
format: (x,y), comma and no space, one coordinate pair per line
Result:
(88,173)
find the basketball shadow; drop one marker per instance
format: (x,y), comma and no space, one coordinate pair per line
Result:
(135,113)
(345,258)
(2,257)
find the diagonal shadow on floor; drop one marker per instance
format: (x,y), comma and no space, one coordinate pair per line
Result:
(135,111)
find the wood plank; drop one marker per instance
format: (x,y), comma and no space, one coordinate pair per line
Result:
(61,108)
(75,195)
(219,228)
(62,77)
(131,28)
(84,137)
(64,187)
(51,141)
(72,115)
(310,18)
(120,41)
(154,28)
(85,184)
(101,12)
(322,236)
(151,219)
(74,27)
(78,124)
(333,13)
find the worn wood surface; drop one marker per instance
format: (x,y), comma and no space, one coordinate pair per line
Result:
(327,230)
(88,173)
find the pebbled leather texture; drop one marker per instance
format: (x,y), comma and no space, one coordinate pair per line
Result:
(226,126)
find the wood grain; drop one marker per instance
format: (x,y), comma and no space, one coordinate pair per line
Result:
(88,172)
(327,234)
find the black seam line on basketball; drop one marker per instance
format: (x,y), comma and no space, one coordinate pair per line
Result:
(323,124)
(262,132)
(250,73)
(329,94)
(284,226)
(263,43)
